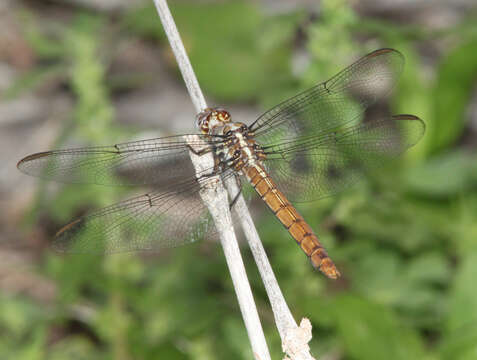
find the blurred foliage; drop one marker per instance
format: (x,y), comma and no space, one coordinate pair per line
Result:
(223,36)
(371,331)
(405,239)
(332,32)
(455,80)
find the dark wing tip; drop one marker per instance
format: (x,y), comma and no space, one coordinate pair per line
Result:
(30,158)
(396,54)
(406,117)
(413,127)
(384,51)
(63,241)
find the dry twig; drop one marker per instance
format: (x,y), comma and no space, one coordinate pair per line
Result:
(294,339)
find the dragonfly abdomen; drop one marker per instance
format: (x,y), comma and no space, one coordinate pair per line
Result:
(291,219)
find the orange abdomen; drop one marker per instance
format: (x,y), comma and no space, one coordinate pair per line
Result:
(291,219)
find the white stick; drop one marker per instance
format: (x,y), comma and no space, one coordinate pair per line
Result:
(181,56)
(283,317)
(294,339)
(215,197)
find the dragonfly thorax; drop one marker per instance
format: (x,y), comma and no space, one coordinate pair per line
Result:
(240,149)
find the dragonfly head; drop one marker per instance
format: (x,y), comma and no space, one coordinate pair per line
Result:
(211,118)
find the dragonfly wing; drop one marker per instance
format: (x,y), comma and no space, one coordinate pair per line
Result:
(160,161)
(149,222)
(154,221)
(320,166)
(338,102)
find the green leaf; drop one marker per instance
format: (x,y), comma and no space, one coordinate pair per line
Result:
(17,315)
(445,175)
(430,267)
(371,331)
(235,335)
(463,296)
(383,277)
(464,225)
(34,349)
(460,344)
(455,80)
(74,348)
(460,337)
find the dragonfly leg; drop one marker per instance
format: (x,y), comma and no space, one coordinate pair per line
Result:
(236,196)
(201,151)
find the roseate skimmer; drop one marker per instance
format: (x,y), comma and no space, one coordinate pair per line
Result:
(307,147)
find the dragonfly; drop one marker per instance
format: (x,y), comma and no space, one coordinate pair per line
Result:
(310,146)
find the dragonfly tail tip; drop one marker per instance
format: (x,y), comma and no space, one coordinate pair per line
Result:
(329,269)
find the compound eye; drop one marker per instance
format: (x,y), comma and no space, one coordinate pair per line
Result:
(237,153)
(223,115)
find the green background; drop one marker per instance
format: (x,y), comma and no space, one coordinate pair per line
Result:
(405,239)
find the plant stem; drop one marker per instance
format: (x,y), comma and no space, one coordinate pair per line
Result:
(294,338)
(216,197)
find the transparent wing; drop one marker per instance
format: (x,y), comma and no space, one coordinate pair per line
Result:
(160,161)
(318,166)
(149,222)
(332,104)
